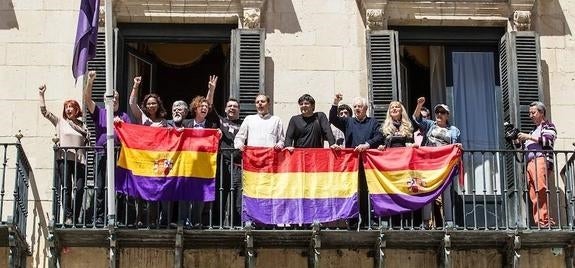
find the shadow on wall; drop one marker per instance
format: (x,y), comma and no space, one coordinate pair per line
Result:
(549,19)
(269,79)
(7,15)
(546,88)
(280,15)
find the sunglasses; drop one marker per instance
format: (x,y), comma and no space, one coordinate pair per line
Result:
(440,112)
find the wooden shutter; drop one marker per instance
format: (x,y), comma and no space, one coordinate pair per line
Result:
(247,68)
(98,64)
(519,68)
(383,67)
(519,65)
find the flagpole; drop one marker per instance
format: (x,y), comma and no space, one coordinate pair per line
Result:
(111,156)
(109,101)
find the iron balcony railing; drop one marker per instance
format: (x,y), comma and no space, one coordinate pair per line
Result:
(495,195)
(14,192)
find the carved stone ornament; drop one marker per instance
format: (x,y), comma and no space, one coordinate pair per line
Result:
(375,19)
(522,20)
(251,19)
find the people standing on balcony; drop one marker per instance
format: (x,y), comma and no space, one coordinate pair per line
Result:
(539,163)
(151,112)
(343,110)
(309,129)
(70,162)
(229,163)
(438,133)
(99,117)
(361,133)
(261,129)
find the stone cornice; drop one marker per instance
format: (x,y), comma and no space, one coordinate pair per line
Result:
(445,12)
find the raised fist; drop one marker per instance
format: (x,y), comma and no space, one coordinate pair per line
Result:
(91,75)
(421,101)
(42,89)
(137,80)
(338,97)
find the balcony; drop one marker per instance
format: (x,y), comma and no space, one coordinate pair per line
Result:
(491,210)
(14,204)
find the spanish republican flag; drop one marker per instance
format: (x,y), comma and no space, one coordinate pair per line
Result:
(303,186)
(167,164)
(405,179)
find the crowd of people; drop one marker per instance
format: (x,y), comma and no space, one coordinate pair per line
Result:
(309,129)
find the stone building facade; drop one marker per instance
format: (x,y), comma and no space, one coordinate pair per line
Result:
(311,46)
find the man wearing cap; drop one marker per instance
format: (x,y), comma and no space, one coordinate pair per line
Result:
(438,133)
(539,164)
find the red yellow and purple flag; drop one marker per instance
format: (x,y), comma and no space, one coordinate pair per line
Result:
(299,187)
(406,179)
(167,164)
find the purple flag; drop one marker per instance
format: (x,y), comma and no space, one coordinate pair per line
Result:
(86,36)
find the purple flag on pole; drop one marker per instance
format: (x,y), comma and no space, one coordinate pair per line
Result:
(86,36)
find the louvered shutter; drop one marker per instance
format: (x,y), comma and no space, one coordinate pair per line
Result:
(383,70)
(520,77)
(98,64)
(247,68)
(519,68)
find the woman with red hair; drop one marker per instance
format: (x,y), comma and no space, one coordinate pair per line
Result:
(70,160)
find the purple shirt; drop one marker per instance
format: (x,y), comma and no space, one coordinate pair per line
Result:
(99,117)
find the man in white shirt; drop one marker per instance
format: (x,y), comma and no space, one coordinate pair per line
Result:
(261,129)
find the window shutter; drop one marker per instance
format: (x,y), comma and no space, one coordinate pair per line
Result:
(520,77)
(247,68)
(520,85)
(98,64)
(383,70)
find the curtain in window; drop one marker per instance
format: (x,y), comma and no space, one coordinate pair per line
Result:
(437,74)
(474,111)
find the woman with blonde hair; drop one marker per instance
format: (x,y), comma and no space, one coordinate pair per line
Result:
(397,128)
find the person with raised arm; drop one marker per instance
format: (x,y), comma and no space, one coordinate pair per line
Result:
(151,111)
(70,162)
(99,117)
(438,133)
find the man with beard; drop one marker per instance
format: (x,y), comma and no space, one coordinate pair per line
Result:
(229,181)
(261,129)
(180,111)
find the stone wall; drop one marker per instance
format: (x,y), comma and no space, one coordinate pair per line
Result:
(555,22)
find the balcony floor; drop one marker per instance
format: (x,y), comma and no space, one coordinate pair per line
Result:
(217,238)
